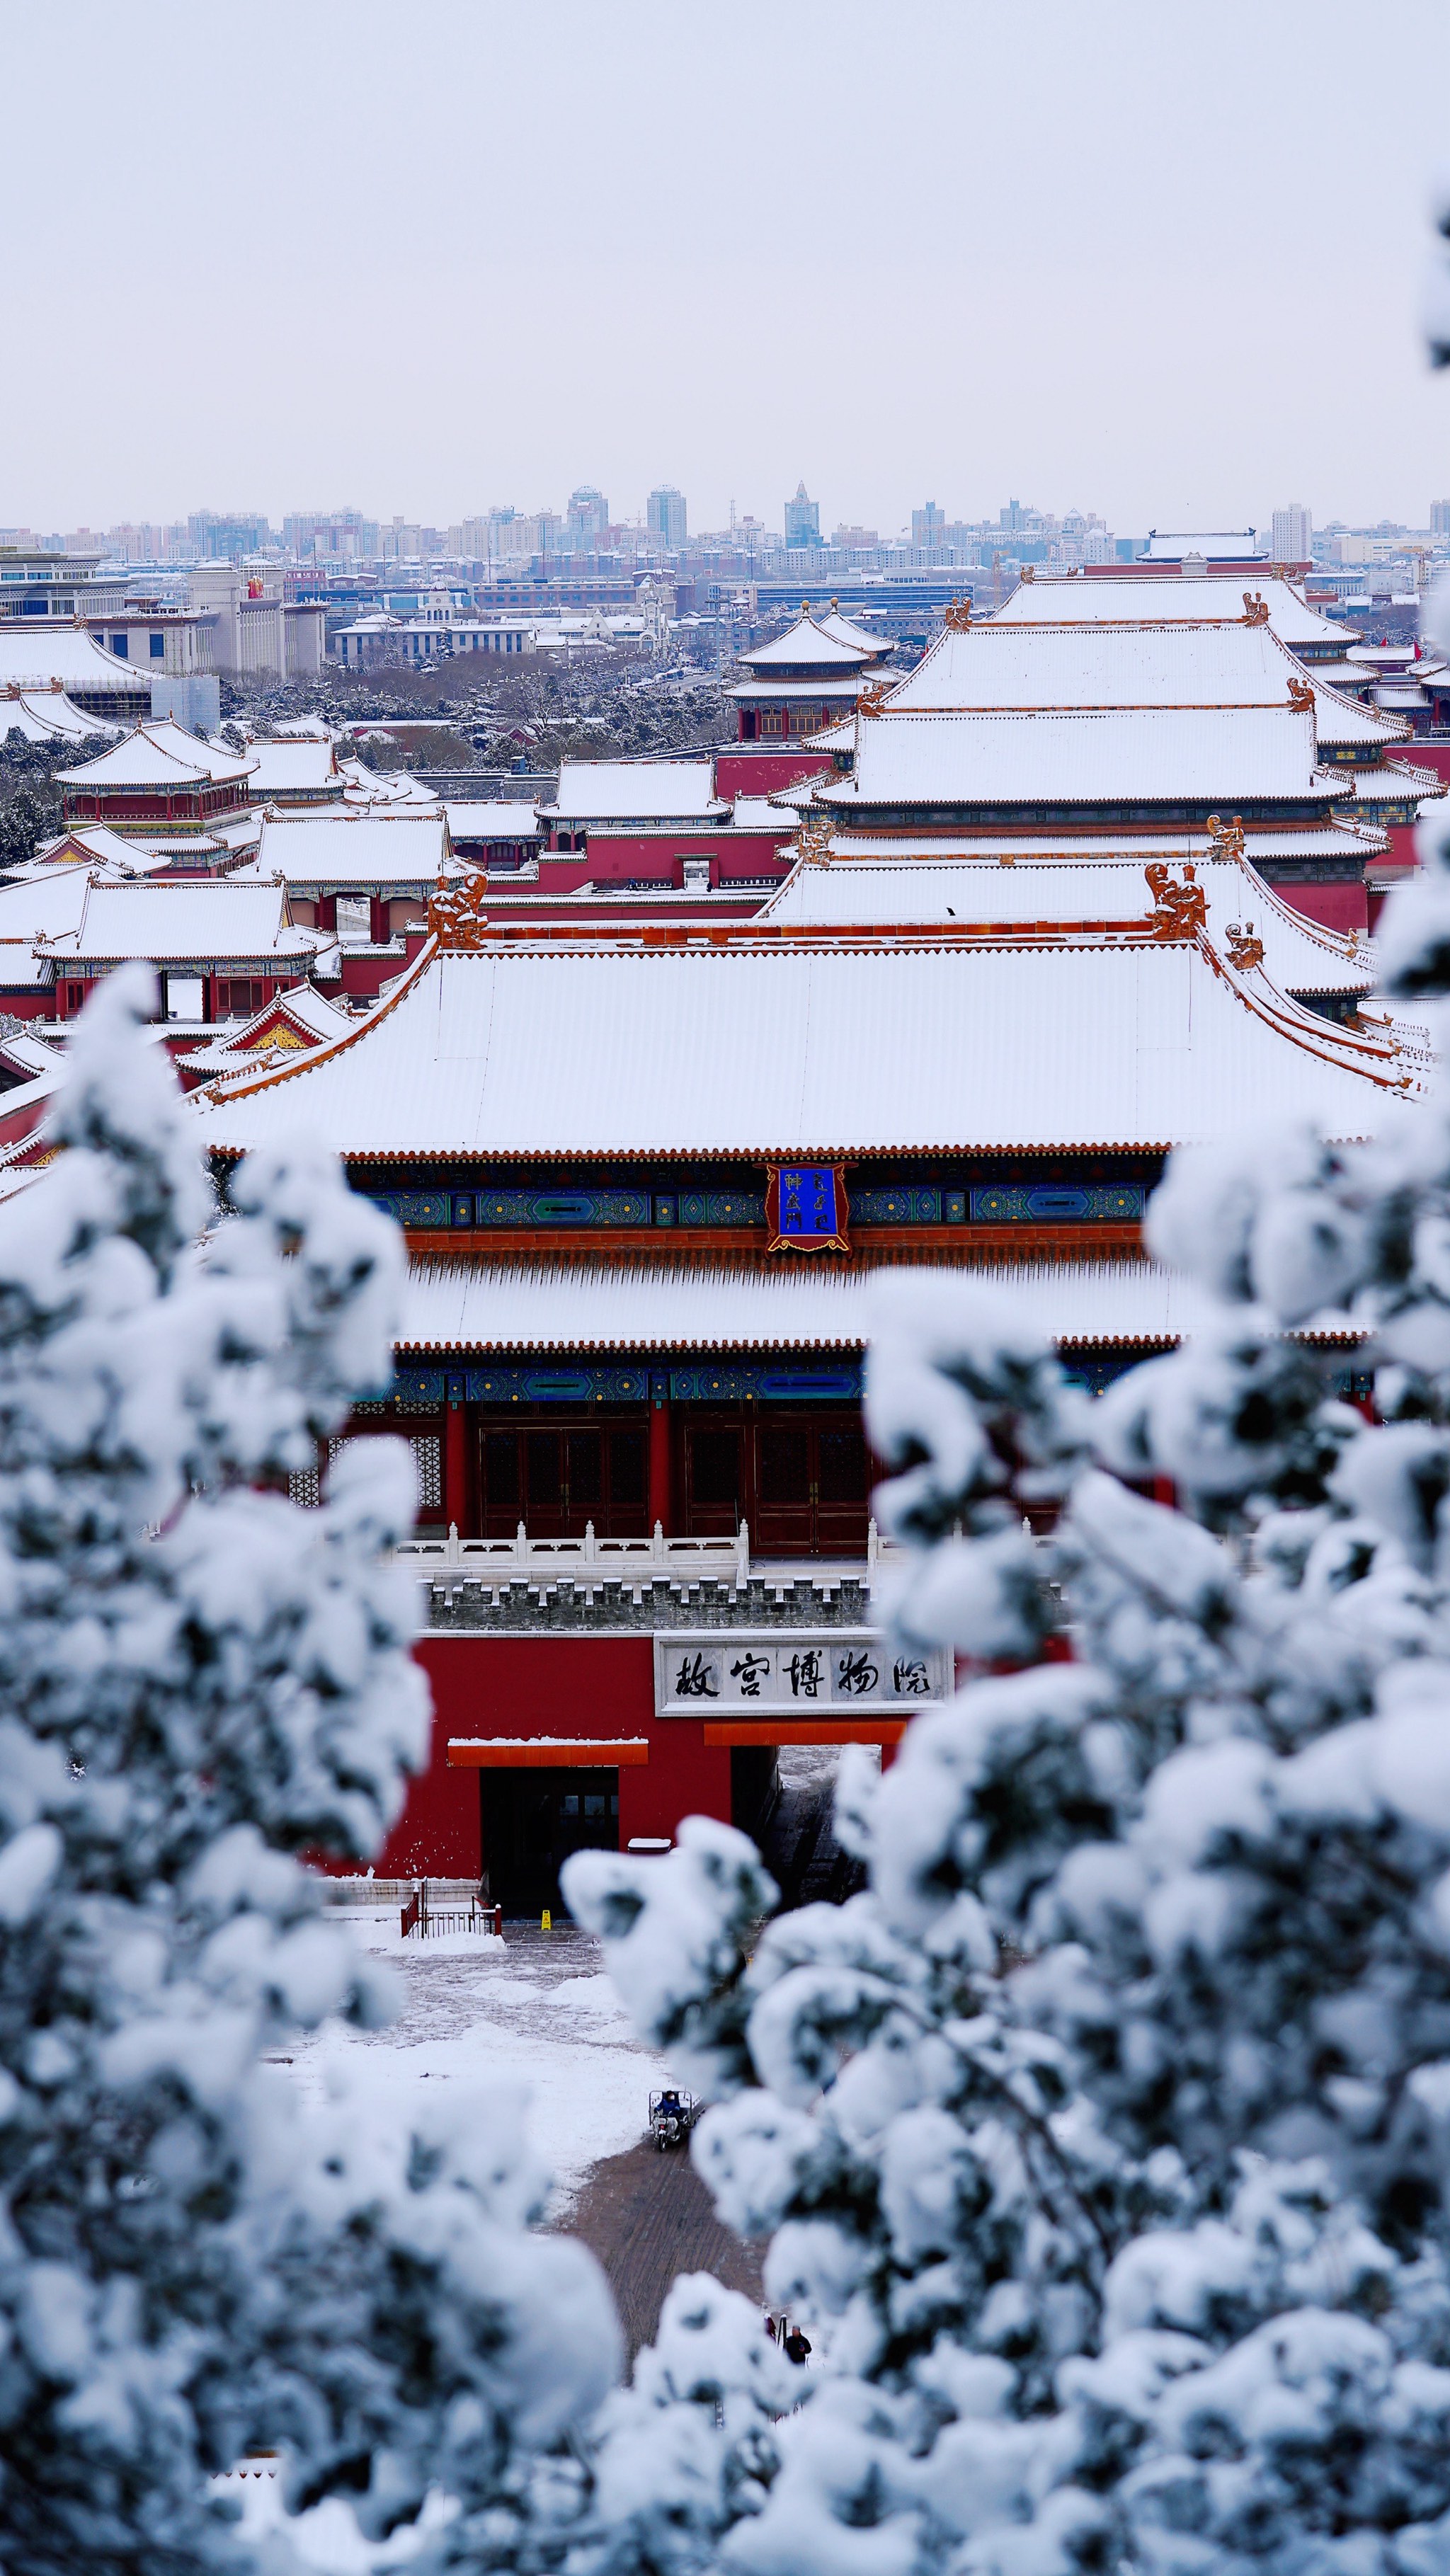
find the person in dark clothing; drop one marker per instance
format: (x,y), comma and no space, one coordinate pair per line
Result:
(796,2346)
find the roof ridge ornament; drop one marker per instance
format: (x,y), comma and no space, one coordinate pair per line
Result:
(1301,695)
(456,917)
(873,697)
(1028,572)
(1227,838)
(1256,608)
(957,616)
(813,841)
(1244,950)
(1179,911)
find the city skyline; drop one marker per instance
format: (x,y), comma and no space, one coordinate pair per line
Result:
(969,248)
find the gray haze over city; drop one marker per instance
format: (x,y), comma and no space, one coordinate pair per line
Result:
(1156,265)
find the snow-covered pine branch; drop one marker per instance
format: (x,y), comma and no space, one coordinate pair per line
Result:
(198,1679)
(1104,2141)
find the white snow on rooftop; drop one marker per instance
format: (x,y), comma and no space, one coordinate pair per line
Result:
(1299,955)
(500,820)
(618,790)
(47,715)
(1081,665)
(745,1049)
(338,847)
(162,754)
(292,769)
(1138,756)
(34,651)
(1141,599)
(538,1306)
(210,917)
(823,644)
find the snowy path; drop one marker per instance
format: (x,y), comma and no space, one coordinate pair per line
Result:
(537,2008)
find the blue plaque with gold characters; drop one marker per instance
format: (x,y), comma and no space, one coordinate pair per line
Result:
(805,1208)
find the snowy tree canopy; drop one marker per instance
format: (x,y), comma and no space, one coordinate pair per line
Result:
(1103,2142)
(197,1680)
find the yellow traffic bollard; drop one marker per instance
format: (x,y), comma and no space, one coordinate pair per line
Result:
(546,1921)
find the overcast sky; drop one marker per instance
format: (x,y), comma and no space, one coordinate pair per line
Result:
(1142,257)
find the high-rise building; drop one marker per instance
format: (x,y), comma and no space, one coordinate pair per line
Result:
(802,519)
(665,511)
(586,521)
(1440,518)
(224,536)
(928,524)
(1292,540)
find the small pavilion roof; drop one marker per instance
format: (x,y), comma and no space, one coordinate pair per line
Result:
(815,643)
(1055,599)
(159,754)
(292,1023)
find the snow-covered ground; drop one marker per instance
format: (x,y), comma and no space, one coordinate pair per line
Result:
(535,2008)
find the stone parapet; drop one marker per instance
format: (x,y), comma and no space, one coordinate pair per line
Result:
(780,1598)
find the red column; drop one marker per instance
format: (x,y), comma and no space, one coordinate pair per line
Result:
(455,1470)
(661,1497)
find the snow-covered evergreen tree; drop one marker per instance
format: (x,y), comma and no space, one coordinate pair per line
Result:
(198,1680)
(1104,2141)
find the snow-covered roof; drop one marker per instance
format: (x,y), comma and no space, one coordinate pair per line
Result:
(846,631)
(619,790)
(1054,599)
(36,650)
(816,643)
(291,769)
(1229,663)
(40,907)
(115,852)
(388,787)
(296,1020)
(758,814)
(530,1306)
(335,847)
(46,715)
(1335,837)
(1152,755)
(303,729)
(1389,782)
(159,754)
(825,693)
(499,821)
(751,1046)
(1300,956)
(172,918)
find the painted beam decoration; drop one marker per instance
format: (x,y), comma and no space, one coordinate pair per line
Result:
(841,1672)
(805,1208)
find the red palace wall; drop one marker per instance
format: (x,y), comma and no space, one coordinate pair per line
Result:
(1338,907)
(613,857)
(751,771)
(570,1686)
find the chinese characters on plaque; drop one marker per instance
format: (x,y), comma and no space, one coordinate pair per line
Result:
(805,1207)
(768,1675)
